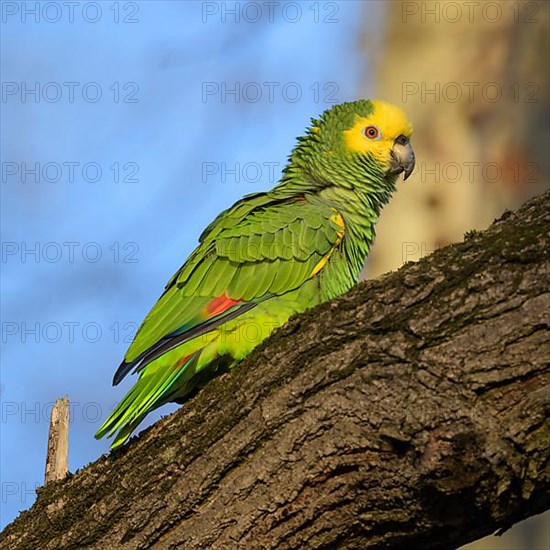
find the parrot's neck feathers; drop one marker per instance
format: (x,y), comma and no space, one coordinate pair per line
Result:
(357,190)
(353,188)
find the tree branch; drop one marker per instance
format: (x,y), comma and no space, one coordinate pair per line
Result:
(413,411)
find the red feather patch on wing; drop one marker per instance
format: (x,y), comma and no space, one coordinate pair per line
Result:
(181,361)
(220,304)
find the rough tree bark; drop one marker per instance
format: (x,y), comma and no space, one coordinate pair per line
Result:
(412,412)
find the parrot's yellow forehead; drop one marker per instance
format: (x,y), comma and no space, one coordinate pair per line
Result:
(391,122)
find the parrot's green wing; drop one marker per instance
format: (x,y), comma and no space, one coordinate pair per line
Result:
(259,248)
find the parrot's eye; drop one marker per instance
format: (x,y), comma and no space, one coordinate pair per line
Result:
(372,132)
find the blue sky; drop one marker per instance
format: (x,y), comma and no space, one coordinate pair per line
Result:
(125,131)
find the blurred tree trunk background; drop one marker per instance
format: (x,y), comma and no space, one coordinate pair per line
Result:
(476,90)
(474,79)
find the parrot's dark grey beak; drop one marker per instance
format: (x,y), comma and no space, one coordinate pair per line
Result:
(402,157)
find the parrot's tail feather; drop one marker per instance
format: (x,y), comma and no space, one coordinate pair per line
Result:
(177,338)
(150,391)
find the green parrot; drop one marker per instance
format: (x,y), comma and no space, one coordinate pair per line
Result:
(271,255)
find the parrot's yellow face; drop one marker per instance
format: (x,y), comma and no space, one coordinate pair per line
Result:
(384,135)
